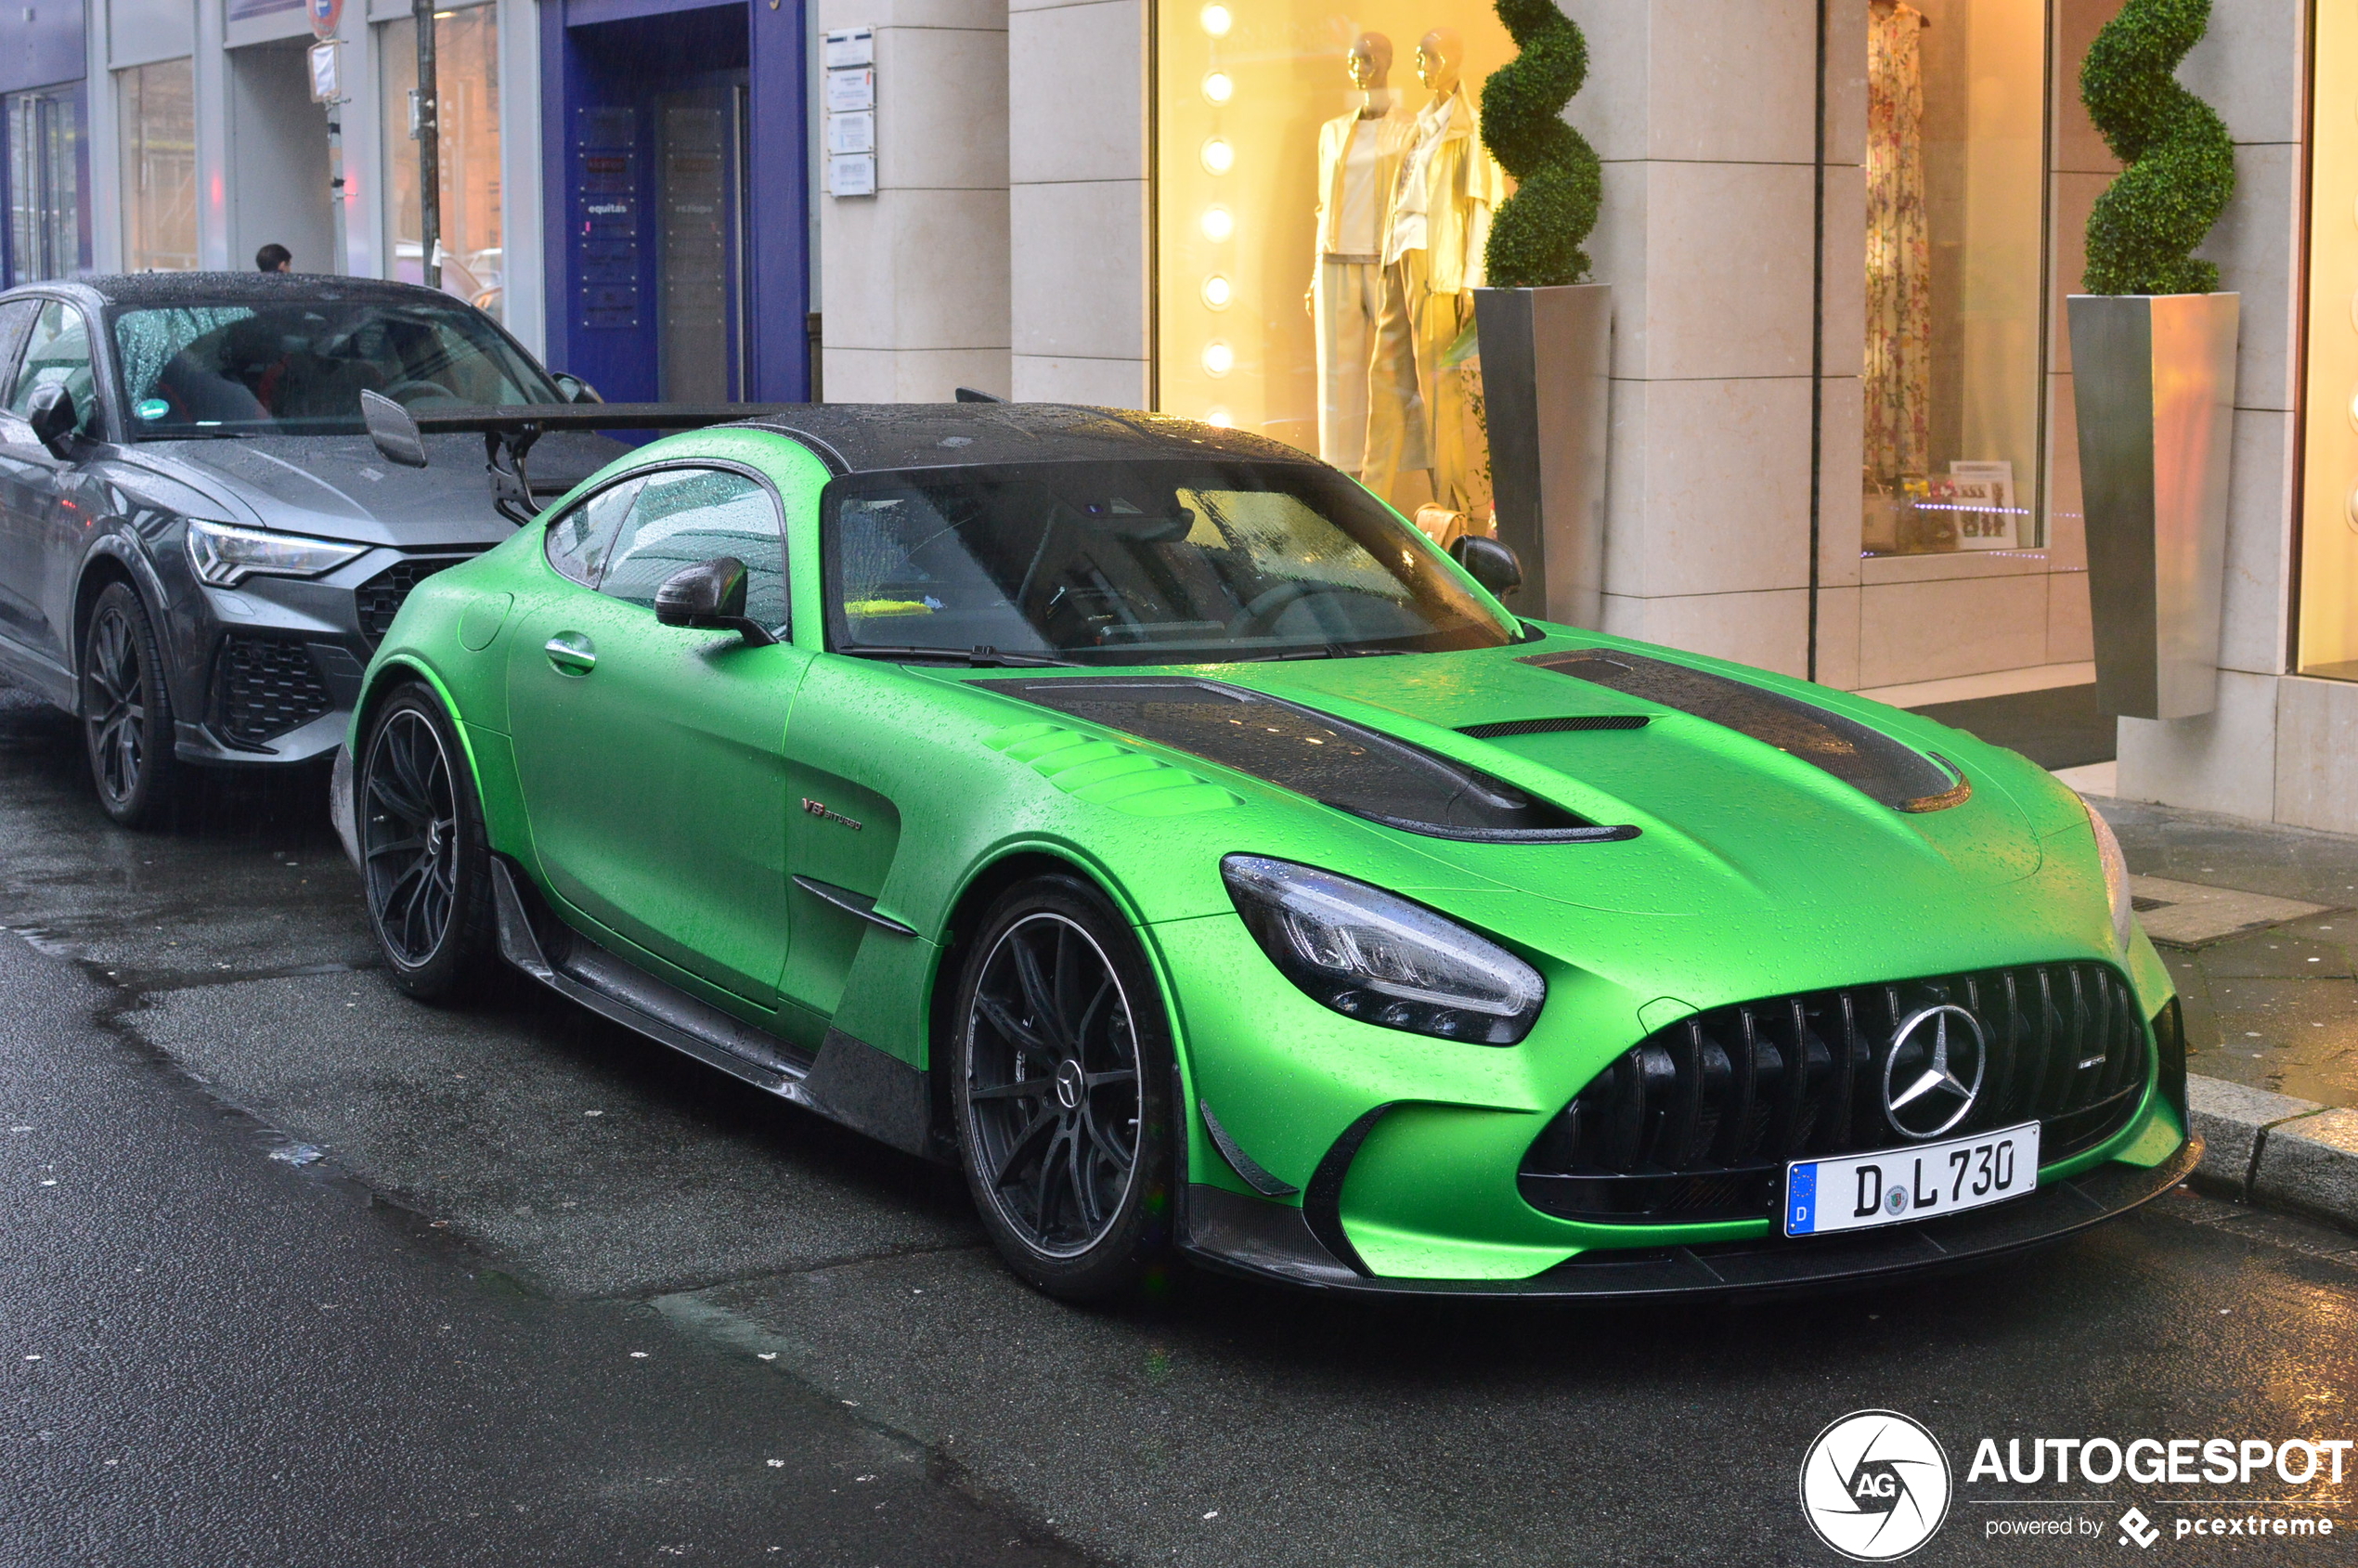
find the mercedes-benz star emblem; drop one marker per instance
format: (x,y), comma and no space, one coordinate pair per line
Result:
(1933,1071)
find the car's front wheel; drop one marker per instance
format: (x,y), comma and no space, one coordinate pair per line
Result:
(1063,1091)
(126,709)
(424,853)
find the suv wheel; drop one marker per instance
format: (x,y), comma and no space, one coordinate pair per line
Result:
(126,710)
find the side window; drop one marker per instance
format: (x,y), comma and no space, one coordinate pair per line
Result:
(16,320)
(690,515)
(57,351)
(580,538)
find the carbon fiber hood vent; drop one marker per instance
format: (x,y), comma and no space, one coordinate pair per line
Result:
(1337,763)
(1874,764)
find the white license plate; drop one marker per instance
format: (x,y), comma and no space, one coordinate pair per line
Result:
(1922,1182)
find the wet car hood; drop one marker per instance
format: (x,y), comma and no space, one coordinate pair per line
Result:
(342,488)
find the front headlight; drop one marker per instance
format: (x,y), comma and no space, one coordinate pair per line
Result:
(1383,960)
(2116,866)
(225,556)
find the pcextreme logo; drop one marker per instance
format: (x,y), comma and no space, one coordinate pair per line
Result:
(1875,1485)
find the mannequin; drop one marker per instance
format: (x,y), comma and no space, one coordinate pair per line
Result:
(1359,155)
(1419,415)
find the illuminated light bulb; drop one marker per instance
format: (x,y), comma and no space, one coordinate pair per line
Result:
(1218,418)
(1218,87)
(1217,21)
(1218,156)
(1218,358)
(1218,292)
(1218,224)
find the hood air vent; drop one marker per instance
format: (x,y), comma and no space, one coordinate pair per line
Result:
(1337,763)
(1872,763)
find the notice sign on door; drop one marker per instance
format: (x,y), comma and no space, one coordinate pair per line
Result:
(850,101)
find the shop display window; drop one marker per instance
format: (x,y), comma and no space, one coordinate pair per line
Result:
(2329,640)
(158,107)
(467,83)
(1323,197)
(1955,265)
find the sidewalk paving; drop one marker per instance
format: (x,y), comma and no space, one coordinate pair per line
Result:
(2277,1008)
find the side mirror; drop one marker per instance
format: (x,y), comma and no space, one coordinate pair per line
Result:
(1492,565)
(575,388)
(53,416)
(393,430)
(709,595)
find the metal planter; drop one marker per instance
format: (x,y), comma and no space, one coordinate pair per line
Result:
(1547,357)
(2153,384)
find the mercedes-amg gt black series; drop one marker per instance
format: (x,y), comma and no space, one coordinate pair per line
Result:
(200,547)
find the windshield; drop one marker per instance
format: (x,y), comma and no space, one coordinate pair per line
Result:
(1148,561)
(299,368)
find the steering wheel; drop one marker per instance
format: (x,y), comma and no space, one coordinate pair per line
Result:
(403,393)
(1266,605)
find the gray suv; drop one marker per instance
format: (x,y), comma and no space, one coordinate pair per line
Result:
(199,546)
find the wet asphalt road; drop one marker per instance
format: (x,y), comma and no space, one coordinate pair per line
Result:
(260,1351)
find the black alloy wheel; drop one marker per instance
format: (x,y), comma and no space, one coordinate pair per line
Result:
(1063,1089)
(126,709)
(422,849)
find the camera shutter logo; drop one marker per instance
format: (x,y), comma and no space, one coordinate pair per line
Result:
(1932,1074)
(1875,1485)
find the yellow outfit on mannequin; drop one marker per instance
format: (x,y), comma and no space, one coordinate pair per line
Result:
(1418,416)
(1358,158)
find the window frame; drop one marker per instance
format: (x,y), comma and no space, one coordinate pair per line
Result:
(685,463)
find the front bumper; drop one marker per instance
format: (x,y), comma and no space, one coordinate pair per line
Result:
(271,668)
(1274,1241)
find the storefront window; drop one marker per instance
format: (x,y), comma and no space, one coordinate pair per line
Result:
(48,237)
(467,83)
(1956,232)
(157,104)
(1323,198)
(2329,643)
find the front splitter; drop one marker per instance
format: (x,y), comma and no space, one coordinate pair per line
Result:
(1239,1235)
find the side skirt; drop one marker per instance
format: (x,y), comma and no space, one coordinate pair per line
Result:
(850,1081)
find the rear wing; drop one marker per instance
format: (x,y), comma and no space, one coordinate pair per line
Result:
(508,431)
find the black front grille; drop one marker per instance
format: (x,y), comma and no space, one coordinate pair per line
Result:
(379,599)
(261,687)
(1695,1122)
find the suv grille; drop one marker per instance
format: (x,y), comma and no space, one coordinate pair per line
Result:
(1695,1122)
(261,687)
(379,599)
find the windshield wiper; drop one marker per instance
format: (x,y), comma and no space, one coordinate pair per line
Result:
(978,659)
(1329,651)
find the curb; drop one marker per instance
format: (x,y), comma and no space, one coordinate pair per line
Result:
(2275,1150)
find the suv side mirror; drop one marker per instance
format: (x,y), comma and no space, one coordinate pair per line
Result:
(1492,565)
(53,416)
(709,595)
(575,388)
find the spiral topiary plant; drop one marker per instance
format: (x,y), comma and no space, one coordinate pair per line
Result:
(2181,164)
(1536,235)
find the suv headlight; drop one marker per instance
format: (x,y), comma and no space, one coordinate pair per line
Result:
(225,556)
(2116,866)
(1383,960)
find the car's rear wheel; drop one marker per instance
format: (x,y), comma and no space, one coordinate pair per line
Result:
(1063,1091)
(424,853)
(126,709)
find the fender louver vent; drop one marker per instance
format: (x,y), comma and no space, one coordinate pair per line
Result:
(1337,763)
(1870,762)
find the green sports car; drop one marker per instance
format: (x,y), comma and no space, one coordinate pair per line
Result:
(1142,816)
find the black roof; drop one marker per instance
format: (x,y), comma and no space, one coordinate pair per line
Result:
(863,437)
(242,288)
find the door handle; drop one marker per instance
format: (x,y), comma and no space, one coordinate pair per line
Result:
(571,652)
